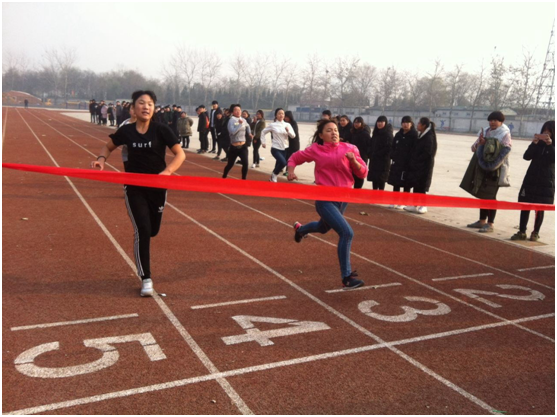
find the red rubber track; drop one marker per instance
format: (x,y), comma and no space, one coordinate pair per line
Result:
(60,266)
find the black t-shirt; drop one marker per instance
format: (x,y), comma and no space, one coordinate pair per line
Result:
(146,152)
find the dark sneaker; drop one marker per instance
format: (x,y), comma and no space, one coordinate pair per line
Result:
(534,237)
(351,282)
(519,236)
(298,236)
(486,228)
(476,225)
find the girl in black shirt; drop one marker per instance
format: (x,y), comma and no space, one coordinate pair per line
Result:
(146,141)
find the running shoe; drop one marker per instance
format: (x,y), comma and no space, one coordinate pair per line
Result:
(351,282)
(273,178)
(298,236)
(147,288)
(486,228)
(534,237)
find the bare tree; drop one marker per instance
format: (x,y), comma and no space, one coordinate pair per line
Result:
(258,75)
(476,91)
(386,87)
(279,69)
(344,72)
(211,64)
(416,91)
(311,76)
(290,77)
(60,63)
(15,66)
(433,83)
(362,84)
(524,81)
(186,63)
(239,65)
(498,86)
(454,79)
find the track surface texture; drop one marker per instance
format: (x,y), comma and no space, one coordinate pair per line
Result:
(248,321)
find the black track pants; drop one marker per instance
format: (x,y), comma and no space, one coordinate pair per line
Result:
(145,206)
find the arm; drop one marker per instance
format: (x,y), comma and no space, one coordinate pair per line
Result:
(231,129)
(263,133)
(359,168)
(103,155)
(179,158)
(290,131)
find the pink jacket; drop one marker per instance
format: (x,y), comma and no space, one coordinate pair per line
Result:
(332,167)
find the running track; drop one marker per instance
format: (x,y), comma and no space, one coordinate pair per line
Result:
(449,322)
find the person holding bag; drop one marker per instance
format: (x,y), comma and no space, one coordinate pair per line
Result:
(489,168)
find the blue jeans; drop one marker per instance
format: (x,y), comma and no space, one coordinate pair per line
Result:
(280,156)
(331,213)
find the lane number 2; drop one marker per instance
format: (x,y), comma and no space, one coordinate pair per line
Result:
(475,294)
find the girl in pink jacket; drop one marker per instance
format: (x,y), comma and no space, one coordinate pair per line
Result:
(335,162)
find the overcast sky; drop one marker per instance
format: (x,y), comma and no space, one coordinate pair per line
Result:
(409,36)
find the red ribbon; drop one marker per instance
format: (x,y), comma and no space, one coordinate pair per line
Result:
(280,190)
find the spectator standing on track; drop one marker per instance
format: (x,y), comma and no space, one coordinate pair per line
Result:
(118,109)
(99,113)
(184,129)
(147,141)
(539,183)
(401,152)
(224,136)
(93,110)
(212,125)
(239,132)
(175,117)
(260,124)
(26,103)
(345,125)
(420,170)
(111,112)
(203,129)
(103,113)
(280,132)
(380,156)
(293,143)
(359,136)
(489,168)
(335,164)
(125,110)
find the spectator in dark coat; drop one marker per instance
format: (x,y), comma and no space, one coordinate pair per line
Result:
(203,129)
(93,110)
(293,143)
(420,170)
(380,155)
(111,114)
(118,109)
(175,117)
(224,135)
(539,183)
(360,137)
(401,152)
(344,127)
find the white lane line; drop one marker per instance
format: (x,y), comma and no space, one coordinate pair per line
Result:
(536,267)
(69,323)
(458,300)
(264,367)
(233,395)
(462,276)
(341,316)
(369,287)
(229,303)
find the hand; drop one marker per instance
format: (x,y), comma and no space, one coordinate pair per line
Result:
(286,128)
(264,146)
(241,121)
(350,156)
(291,175)
(482,139)
(250,136)
(98,164)
(165,172)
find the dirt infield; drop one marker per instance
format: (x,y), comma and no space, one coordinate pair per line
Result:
(449,322)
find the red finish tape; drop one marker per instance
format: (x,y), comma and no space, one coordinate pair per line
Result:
(280,190)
